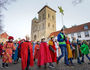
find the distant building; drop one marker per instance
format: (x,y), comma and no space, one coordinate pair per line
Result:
(44,24)
(81,32)
(3,37)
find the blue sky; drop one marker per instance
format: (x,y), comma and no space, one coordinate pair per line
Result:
(17,19)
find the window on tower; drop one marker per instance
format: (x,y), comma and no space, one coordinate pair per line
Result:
(48,24)
(52,17)
(35,37)
(48,15)
(43,16)
(40,18)
(43,26)
(53,25)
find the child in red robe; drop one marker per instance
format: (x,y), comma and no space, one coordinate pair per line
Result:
(19,48)
(26,54)
(44,54)
(52,49)
(37,46)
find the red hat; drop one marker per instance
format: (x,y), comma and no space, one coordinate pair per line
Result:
(10,37)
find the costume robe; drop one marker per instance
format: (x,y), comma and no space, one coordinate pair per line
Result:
(1,49)
(69,49)
(53,54)
(15,56)
(7,52)
(25,48)
(84,49)
(44,54)
(36,53)
(19,49)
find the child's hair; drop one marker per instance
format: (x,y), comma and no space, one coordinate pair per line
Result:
(85,42)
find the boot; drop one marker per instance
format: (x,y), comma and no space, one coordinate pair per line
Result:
(3,65)
(6,65)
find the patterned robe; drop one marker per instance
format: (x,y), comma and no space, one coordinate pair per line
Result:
(7,52)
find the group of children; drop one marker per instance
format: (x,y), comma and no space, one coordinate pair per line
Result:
(43,52)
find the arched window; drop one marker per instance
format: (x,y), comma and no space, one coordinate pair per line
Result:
(52,17)
(53,25)
(43,26)
(48,24)
(43,16)
(48,15)
(40,18)
(35,37)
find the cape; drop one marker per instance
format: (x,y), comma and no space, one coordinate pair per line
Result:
(44,54)
(24,54)
(19,49)
(84,49)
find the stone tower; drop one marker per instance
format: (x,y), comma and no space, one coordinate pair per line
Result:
(45,24)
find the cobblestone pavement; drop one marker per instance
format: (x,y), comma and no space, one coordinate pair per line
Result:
(60,66)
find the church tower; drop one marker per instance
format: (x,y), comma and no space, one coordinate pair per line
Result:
(46,23)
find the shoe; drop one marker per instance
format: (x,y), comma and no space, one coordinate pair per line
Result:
(67,64)
(57,62)
(79,63)
(6,66)
(82,61)
(89,62)
(3,65)
(51,66)
(72,64)
(27,68)
(45,66)
(39,66)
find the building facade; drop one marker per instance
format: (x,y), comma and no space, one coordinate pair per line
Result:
(81,32)
(44,24)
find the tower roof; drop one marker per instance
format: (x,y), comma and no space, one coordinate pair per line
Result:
(46,6)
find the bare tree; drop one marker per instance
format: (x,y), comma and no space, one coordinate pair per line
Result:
(1,26)
(3,4)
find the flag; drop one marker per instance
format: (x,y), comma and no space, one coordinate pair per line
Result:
(61,10)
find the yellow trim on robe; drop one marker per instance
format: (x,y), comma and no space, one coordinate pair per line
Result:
(69,51)
(50,43)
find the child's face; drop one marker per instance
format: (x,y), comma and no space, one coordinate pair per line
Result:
(11,40)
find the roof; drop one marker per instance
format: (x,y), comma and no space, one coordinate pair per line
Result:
(4,35)
(73,29)
(46,7)
(35,20)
